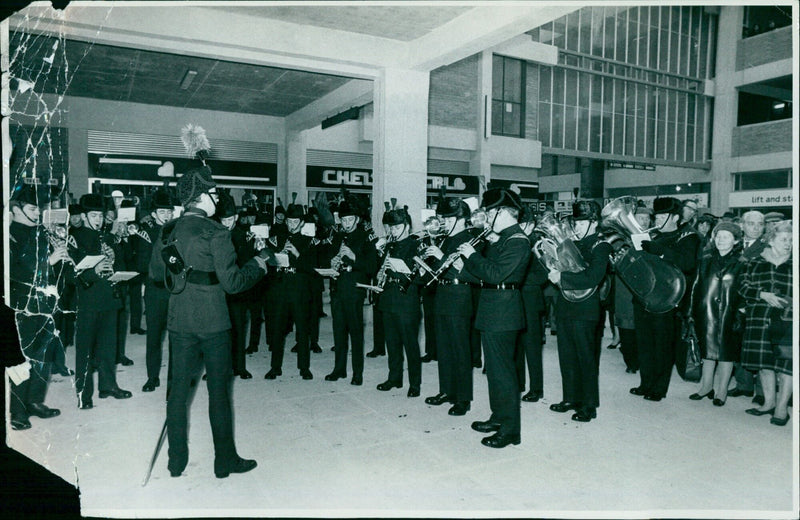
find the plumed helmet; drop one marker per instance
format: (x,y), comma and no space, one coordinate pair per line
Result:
(452,207)
(92,202)
(194,183)
(669,205)
(585,210)
(226,206)
(501,198)
(162,200)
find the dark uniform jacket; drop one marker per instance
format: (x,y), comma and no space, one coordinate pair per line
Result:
(244,246)
(455,299)
(596,253)
(504,262)
(206,247)
(401,294)
(533,286)
(95,293)
(680,248)
(30,270)
(142,244)
(360,271)
(299,277)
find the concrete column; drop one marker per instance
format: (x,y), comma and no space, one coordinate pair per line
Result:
(295,146)
(400,148)
(481,164)
(726,102)
(77,146)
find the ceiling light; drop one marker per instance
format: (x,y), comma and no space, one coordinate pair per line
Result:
(778,106)
(188,78)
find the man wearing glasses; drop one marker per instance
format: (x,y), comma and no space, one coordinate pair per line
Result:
(198,323)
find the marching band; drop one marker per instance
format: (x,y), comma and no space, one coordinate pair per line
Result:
(484,269)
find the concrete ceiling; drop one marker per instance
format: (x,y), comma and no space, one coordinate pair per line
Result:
(271,59)
(123,74)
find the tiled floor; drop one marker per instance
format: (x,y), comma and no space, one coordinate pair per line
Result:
(332,449)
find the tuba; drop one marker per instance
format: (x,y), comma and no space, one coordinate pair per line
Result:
(556,250)
(658,284)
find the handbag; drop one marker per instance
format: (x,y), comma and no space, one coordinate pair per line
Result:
(780,332)
(687,355)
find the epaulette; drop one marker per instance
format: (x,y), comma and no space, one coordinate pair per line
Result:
(70,241)
(273,240)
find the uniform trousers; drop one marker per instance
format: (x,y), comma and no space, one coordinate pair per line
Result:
(578,359)
(256,310)
(189,352)
(135,296)
(531,346)
(122,322)
(628,348)
(431,343)
(95,345)
(348,321)
(475,334)
(237,310)
(39,343)
(378,334)
(501,373)
(295,305)
(402,333)
(455,356)
(157,301)
(655,337)
(316,314)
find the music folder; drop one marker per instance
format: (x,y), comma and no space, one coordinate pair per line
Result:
(88,262)
(398,266)
(328,272)
(122,276)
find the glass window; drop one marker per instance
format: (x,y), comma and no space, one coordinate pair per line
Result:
(598,31)
(584,89)
(763,180)
(703,48)
(619,134)
(508,100)
(570,127)
(621,36)
(545,77)
(583,128)
(559,29)
(557,134)
(595,123)
(761,19)
(571,89)
(573,25)
(610,29)
(585,31)
(558,86)
(690,143)
(544,124)
(633,37)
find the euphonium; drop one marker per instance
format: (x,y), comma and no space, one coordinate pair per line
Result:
(658,284)
(556,250)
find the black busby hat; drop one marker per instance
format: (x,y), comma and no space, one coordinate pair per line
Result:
(585,210)
(295,211)
(92,202)
(31,194)
(194,183)
(501,198)
(347,208)
(226,206)
(452,207)
(162,200)
(395,217)
(74,209)
(667,205)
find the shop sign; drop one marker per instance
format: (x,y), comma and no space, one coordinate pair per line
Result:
(325,177)
(456,184)
(760,198)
